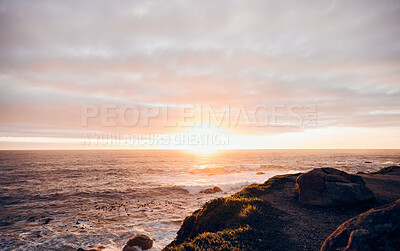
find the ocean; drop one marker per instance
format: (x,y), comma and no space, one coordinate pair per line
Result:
(63,200)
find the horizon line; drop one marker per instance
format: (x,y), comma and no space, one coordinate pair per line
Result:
(178,149)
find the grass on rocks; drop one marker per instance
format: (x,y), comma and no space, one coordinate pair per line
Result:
(239,222)
(272,184)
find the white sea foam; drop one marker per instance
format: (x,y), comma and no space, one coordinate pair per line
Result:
(195,189)
(229,184)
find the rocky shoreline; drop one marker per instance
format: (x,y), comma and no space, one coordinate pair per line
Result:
(301,212)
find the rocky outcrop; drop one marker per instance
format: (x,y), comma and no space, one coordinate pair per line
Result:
(139,240)
(328,187)
(212,190)
(394,170)
(232,223)
(268,216)
(376,229)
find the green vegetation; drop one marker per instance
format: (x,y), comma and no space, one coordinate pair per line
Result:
(239,222)
(237,239)
(268,186)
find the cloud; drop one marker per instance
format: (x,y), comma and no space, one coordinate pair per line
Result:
(341,56)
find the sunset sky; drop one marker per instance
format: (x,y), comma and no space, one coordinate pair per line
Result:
(340,57)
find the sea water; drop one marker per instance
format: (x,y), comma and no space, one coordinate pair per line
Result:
(63,200)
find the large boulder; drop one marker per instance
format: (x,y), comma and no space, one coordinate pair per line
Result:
(329,187)
(139,240)
(376,229)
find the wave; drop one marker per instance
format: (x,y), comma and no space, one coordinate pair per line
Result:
(225,187)
(217,170)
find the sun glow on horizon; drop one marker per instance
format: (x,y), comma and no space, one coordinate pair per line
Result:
(205,139)
(203,151)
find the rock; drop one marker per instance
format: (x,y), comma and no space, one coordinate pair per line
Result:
(368,162)
(139,240)
(329,187)
(376,229)
(128,248)
(212,190)
(260,173)
(217,189)
(46,221)
(208,191)
(389,170)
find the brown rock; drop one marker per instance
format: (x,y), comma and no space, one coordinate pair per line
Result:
(376,229)
(212,190)
(217,189)
(313,179)
(337,178)
(329,187)
(208,191)
(128,248)
(139,240)
(260,173)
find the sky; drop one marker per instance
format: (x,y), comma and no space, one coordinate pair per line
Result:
(67,68)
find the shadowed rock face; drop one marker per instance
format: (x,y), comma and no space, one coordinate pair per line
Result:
(328,187)
(376,229)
